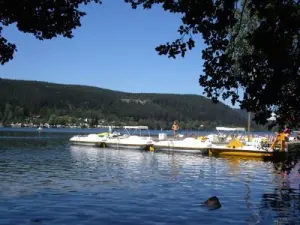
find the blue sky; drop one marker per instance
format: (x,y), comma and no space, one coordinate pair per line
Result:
(114,48)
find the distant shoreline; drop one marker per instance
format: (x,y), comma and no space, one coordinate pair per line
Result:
(153,132)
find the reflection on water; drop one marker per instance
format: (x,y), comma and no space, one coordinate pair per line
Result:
(46,181)
(282,203)
(285,198)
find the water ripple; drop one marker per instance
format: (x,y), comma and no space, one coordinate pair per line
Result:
(50,182)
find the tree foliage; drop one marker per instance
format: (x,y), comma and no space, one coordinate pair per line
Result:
(65,104)
(43,18)
(251,44)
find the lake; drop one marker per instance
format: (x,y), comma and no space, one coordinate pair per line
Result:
(44,180)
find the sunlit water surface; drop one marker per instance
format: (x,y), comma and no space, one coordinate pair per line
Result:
(44,180)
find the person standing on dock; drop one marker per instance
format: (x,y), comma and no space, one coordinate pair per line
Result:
(175,128)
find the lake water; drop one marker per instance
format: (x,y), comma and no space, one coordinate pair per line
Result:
(44,180)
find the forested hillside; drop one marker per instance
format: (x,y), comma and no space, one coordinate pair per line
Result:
(42,102)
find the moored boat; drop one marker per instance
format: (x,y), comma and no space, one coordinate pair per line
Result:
(252,149)
(225,134)
(130,141)
(190,145)
(90,139)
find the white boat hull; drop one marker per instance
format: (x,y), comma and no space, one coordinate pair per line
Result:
(190,145)
(131,142)
(83,143)
(125,146)
(88,140)
(197,151)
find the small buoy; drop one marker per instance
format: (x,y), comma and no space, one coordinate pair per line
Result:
(151,148)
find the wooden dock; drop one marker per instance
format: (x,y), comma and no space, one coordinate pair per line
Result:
(293,146)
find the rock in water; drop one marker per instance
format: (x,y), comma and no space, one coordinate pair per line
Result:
(212,203)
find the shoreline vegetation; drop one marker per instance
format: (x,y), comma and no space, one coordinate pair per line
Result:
(44,104)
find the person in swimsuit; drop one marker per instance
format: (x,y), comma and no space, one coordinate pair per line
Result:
(175,128)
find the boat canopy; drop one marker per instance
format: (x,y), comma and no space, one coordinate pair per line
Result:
(230,129)
(136,127)
(272,118)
